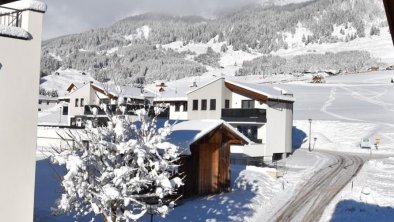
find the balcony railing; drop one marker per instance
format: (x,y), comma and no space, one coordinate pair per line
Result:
(130,110)
(10,17)
(244,115)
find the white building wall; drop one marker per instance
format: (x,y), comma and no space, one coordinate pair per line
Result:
(279,127)
(177,115)
(86,93)
(19,80)
(214,90)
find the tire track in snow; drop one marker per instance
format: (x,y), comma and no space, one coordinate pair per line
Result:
(329,102)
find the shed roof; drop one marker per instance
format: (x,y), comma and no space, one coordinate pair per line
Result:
(186,133)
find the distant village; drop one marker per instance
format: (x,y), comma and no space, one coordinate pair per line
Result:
(261,115)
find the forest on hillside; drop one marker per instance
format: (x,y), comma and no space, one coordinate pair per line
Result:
(252,27)
(341,62)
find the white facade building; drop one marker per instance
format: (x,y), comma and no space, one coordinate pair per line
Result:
(82,96)
(262,113)
(20,52)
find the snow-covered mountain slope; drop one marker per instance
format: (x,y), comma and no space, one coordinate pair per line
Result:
(165,47)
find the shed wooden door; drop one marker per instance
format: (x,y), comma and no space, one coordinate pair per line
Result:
(209,168)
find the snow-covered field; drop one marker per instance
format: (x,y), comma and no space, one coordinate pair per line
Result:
(379,46)
(368,198)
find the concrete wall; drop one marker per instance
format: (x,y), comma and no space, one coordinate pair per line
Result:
(19,81)
(279,127)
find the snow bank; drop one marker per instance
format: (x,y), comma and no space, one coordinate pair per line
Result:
(336,135)
(28,4)
(14,32)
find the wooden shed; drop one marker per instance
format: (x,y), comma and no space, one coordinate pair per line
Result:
(205,162)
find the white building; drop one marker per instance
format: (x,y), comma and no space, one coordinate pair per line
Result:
(20,49)
(82,97)
(262,113)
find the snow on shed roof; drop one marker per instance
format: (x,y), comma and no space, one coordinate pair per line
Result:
(186,133)
(269,91)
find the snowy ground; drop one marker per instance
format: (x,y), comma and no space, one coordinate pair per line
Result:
(344,110)
(368,198)
(380,47)
(254,190)
(52,116)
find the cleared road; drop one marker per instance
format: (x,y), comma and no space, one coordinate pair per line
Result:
(310,203)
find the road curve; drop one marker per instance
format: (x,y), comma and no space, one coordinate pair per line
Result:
(309,204)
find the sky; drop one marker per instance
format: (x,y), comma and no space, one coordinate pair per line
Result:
(74,16)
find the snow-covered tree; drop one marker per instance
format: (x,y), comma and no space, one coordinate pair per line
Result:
(116,170)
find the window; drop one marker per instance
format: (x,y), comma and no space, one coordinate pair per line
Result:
(47,102)
(195,104)
(185,106)
(82,101)
(227,104)
(212,104)
(203,104)
(247,104)
(39,101)
(250,132)
(177,107)
(76,102)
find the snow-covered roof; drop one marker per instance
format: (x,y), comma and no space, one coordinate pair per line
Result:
(271,92)
(14,32)
(186,133)
(76,85)
(126,91)
(208,83)
(42,97)
(176,90)
(27,5)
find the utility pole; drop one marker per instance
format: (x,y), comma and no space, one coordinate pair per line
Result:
(310,133)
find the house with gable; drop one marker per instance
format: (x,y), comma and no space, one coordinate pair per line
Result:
(262,113)
(82,97)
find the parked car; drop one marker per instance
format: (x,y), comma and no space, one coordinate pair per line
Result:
(365,143)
